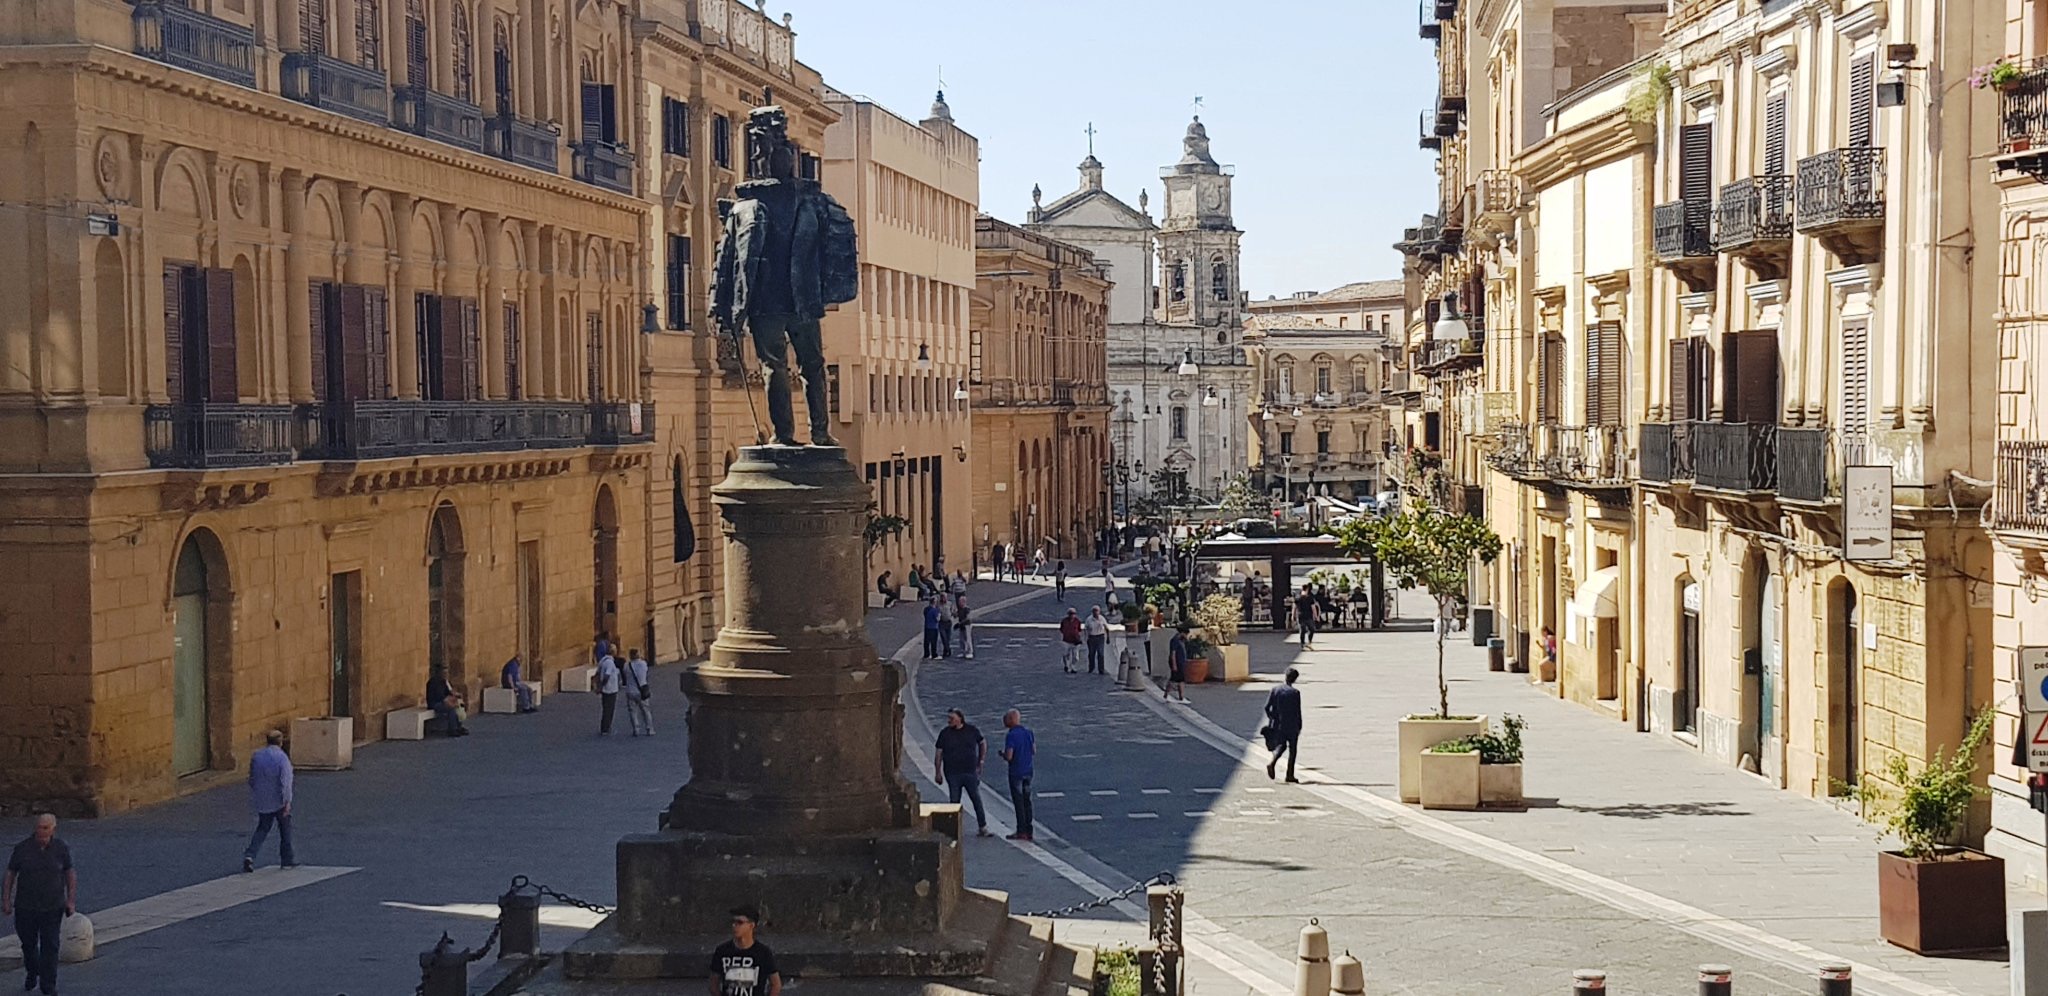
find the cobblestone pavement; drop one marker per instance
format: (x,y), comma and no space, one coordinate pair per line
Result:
(436,829)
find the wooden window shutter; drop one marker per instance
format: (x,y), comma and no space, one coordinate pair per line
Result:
(594,355)
(313,26)
(1749,367)
(1862,100)
(174,333)
(377,340)
(1776,109)
(352,313)
(1696,163)
(593,112)
(1594,376)
(1855,377)
(469,387)
(316,334)
(1603,374)
(512,389)
(608,100)
(1702,367)
(222,387)
(1551,390)
(369,35)
(1681,379)
(416,44)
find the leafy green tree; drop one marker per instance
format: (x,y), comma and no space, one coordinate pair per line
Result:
(1425,547)
(1242,500)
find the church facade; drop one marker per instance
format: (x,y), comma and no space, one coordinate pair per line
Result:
(1179,380)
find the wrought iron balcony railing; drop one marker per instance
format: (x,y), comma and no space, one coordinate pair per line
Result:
(1839,187)
(2023,110)
(1683,230)
(2021,501)
(332,84)
(621,423)
(1430,139)
(1583,454)
(1736,456)
(428,113)
(177,35)
(515,139)
(1809,465)
(1431,28)
(1754,213)
(207,436)
(602,164)
(1664,452)
(374,430)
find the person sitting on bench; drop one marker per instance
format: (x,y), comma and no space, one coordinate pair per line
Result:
(442,699)
(521,695)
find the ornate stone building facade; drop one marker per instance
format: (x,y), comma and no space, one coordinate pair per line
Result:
(323,372)
(899,354)
(1179,380)
(1318,424)
(1037,375)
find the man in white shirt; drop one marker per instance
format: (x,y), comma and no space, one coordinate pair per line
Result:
(608,691)
(1097,629)
(637,693)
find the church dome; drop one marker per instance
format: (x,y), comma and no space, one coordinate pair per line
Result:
(1195,148)
(940,112)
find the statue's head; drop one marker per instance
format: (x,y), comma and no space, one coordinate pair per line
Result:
(769,150)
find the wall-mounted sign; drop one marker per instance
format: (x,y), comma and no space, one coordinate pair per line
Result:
(1867,513)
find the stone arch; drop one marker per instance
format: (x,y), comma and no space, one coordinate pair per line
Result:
(110,318)
(466,257)
(201,602)
(428,244)
(604,561)
(323,231)
(446,562)
(182,187)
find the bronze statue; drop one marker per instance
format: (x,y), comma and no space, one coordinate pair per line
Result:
(787,254)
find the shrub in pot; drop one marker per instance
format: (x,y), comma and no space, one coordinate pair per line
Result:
(1500,763)
(1198,660)
(1220,616)
(1934,896)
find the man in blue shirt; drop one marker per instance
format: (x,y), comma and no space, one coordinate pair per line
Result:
(270,796)
(1283,723)
(1019,748)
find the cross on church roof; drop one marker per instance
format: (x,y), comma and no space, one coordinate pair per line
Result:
(1091,137)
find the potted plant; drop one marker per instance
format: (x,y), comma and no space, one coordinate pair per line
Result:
(1133,616)
(1428,548)
(1449,775)
(1934,896)
(1219,616)
(2001,75)
(1117,972)
(1500,764)
(1198,659)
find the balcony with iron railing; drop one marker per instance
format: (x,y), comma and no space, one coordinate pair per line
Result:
(1664,452)
(1809,464)
(533,144)
(175,34)
(1589,456)
(1496,198)
(2020,503)
(603,164)
(1738,457)
(1839,198)
(1430,139)
(1754,217)
(210,436)
(429,113)
(2023,110)
(1683,231)
(1449,109)
(1432,27)
(337,85)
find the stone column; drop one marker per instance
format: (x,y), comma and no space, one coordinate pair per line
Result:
(405,381)
(491,351)
(794,722)
(547,360)
(533,315)
(298,318)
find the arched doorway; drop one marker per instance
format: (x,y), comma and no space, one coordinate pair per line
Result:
(1845,705)
(1685,698)
(1762,669)
(445,560)
(604,556)
(200,641)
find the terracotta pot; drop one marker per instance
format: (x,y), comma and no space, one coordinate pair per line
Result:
(1952,905)
(1197,670)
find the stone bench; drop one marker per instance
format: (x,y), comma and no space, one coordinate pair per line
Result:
(577,679)
(505,700)
(407,724)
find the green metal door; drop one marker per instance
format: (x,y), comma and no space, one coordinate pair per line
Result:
(188,665)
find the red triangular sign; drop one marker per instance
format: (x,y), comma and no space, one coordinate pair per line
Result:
(2041,733)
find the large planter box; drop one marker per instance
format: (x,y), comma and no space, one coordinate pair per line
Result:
(323,743)
(1159,640)
(1500,785)
(1232,662)
(1949,906)
(1449,781)
(1417,734)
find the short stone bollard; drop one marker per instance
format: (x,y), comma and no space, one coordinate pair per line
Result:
(518,922)
(1716,980)
(1835,980)
(1312,961)
(1589,980)
(1347,976)
(444,971)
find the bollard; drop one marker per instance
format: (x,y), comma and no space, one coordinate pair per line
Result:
(518,923)
(1835,981)
(1589,980)
(444,971)
(1165,905)
(1347,976)
(1716,980)
(1312,967)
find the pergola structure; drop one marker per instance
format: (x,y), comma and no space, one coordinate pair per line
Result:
(1282,553)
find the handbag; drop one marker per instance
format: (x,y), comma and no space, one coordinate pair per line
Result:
(1270,735)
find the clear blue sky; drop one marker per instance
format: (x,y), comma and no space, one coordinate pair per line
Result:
(1314,102)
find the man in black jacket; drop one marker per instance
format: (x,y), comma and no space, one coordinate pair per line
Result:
(1283,718)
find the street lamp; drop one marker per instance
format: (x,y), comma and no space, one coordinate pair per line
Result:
(1449,327)
(924,356)
(1187,363)
(960,392)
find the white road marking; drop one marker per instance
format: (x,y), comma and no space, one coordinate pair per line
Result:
(1261,790)
(1052,795)
(178,905)
(1254,812)
(1084,817)
(1216,791)
(1143,816)
(1198,813)
(1725,931)
(1156,791)
(1101,791)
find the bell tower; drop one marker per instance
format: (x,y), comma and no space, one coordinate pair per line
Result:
(1198,242)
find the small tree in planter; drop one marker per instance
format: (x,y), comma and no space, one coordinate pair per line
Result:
(878,528)
(1933,894)
(1500,763)
(1428,548)
(1220,616)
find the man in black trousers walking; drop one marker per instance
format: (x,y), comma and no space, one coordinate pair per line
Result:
(1283,724)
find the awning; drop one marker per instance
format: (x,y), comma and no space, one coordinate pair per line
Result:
(1595,598)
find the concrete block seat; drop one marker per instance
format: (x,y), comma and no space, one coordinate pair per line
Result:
(505,700)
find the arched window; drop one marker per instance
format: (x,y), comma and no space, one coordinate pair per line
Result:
(369,35)
(501,65)
(1180,280)
(313,26)
(465,47)
(416,44)
(1180,422)
(1219,280)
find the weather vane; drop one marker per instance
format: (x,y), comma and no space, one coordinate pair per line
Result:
(1198,103)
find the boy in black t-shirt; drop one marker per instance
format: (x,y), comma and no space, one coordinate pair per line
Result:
(744,966)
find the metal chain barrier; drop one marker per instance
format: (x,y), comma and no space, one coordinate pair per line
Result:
(522,882)
(1163,945)
(446,942)
(1163,878)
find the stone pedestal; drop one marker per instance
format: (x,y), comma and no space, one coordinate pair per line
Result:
(796,802)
